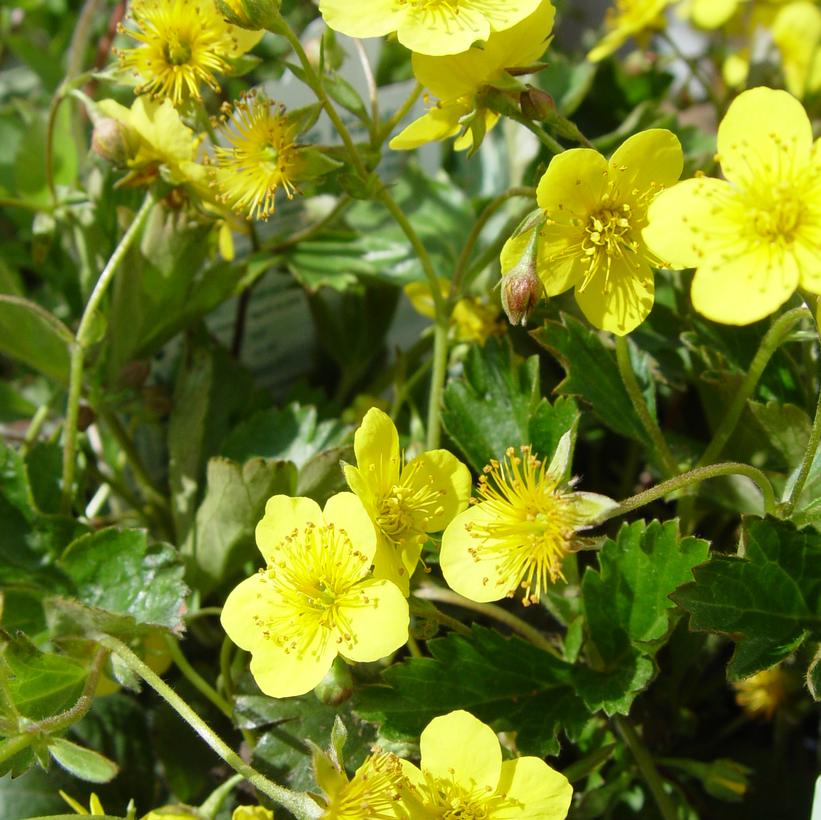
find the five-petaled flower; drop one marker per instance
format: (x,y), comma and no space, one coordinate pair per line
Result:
(462,774)
(405,500)
(526,520)
(457,80)
(755,236)
(594,212)
(426,26)
(315,598)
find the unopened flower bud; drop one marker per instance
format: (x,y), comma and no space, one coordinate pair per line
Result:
(521,292)
(250,14)
(337,685)
(536,104)
(109,140)
(726,779)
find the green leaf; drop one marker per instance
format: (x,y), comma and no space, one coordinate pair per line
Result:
(592,375)
(502,681)
(38,684)
(120,572)
(222,538)
(767,600)
(81,762)
(293,433)
(290,723)
(31,335)
(786,428)
(497,404)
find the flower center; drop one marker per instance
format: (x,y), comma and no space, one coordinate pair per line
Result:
(177,52)
(530,524)
(781,220)
(314,575)
(607,236)
(373,792)
(449,800)
(394,515)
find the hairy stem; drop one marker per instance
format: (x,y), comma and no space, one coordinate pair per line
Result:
(696,476)
(194,677)
(299,804)
(806,462)
(81,342)
(651,427)
(646,766)
(496,613)
(774,337)
(478,226)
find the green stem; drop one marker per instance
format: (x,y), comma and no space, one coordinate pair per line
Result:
(473,236)
(777,333)
(696,476)
(667,459)
(150,489)
(384,195)
(496,613)
(194,677)
(82,340)
(806,462)
(544,138)
(14,745)
(646,766)
(441,618)
(399,114)
(299,804)
(437,383)
(214,801)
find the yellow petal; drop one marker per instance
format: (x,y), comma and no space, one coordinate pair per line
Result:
(741,289)
(365,18)
(397,562)
(451,29)
(286,674)
(250,600)
(797,33)
(536,791)
(347,513)
(284,515)
(573,185)
(624,301)
(376,445)
(379,626)
(765,137)
(559,261)
(645,161)
(458,75)
(459,748)
(736,68)
(693,219)
(712,13)
(439,123)
(474,576)
(441,483)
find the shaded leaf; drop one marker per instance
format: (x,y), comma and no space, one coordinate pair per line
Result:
(502,681)
(497,403)
(768,599)
(81,762)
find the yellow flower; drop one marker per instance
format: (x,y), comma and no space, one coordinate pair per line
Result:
(404,500)
(472,320)
(426,26)
(183,45)
(262,156)
(156,136)
(709,14)
(517,534)
(626,19)
(762,694)
(375,790)
(756,236)
(315,598)
(591,237)
(797,33)
(462,775)
(457,80)
(252,813)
